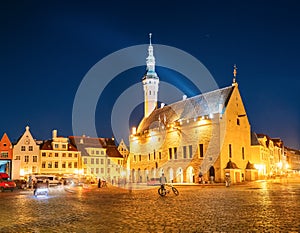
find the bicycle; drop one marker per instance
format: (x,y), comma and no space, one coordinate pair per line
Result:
(164,189)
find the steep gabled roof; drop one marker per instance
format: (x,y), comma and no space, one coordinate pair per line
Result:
(83,142)
(254,139)
(200,105)
(112,151)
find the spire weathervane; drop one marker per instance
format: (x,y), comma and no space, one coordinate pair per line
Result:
(150,35)
(234,73)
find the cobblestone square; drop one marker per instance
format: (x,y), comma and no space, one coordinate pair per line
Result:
(265,206)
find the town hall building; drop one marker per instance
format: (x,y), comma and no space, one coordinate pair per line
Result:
(208,135)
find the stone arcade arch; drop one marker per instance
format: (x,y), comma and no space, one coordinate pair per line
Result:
(179,175)
(190,175)
(212,174)
(170,175)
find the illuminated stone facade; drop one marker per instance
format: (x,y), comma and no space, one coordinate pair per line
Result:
(208,134)
(196,135)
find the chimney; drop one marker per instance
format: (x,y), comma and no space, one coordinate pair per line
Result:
(54,133)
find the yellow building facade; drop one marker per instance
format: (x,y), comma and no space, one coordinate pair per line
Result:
(58,156)
(205,135)
(100,158)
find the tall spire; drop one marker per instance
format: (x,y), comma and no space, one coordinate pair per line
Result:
(150,60)
(150,82)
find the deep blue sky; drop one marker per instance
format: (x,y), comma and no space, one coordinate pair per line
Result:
(47,47)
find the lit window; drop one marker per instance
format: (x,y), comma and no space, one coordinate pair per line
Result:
(4,154)
(34,158)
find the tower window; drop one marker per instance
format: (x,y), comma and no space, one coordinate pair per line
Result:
(149,92)
(229,150)
(238,121)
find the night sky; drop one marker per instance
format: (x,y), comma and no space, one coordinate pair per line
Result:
(47,47)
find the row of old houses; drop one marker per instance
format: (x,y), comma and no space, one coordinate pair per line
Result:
(73,155)
(102,158)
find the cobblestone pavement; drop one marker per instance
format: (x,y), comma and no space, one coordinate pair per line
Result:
(265,206)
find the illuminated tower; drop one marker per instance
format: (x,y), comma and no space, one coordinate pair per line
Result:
(150,82)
